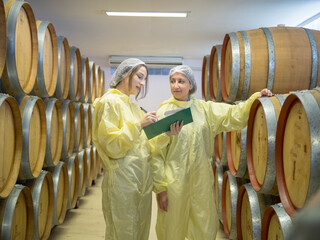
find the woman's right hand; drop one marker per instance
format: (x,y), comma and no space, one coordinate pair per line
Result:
(149,118)
(162,199)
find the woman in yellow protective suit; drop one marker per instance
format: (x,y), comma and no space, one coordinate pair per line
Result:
(181,165)
(124,149)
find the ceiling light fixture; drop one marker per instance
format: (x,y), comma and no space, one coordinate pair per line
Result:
(147,14)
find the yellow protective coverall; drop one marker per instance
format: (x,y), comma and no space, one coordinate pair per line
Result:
(125,150)
(181,165)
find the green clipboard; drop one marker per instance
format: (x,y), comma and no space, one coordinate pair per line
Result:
(163,125)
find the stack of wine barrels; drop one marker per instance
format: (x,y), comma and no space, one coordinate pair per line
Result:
(267,172)
(47,156)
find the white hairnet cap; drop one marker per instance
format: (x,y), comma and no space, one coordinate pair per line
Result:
(124,67)
(187,71)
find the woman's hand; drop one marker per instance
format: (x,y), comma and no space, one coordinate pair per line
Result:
(265,92)
(162,199)
(149,118)
(175,128)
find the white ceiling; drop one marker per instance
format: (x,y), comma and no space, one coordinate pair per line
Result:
(85,25)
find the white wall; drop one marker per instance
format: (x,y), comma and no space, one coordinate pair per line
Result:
(159,88)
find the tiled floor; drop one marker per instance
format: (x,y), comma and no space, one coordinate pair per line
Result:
(87,222)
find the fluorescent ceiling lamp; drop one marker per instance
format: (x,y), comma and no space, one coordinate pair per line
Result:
(147,14)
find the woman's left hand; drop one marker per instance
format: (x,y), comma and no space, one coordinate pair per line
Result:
(265,92)
(175,128)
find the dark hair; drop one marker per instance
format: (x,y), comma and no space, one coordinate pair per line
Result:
(143,91)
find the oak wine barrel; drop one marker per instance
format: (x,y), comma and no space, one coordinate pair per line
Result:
(11,147)
(297,149)
(282,59)
(64,66)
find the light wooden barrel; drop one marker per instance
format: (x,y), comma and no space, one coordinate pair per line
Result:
(79,128)
(46,81)
(73,180)
(92,85)
(60,192)
(230,186)
(83,172)
(16,214)
(87,125)
(283,59)
(3,38)
(298,150)
(54,131)
(276,223)
(214,73)
(91,166)
(205,78)
(85,79)
(11,143)
(64,66)
(42,197)
(68,128)
(103,83)
(98,81)
(75,74)
(250,209)
(34,128)
(236,152)
(20,69)
(220,148)
(261,140)
(218,171)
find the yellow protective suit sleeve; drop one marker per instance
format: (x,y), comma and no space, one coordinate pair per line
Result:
(113,135)
(224,117)
(219,116)
(157,161)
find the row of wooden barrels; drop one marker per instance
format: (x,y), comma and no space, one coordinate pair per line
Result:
(246,213)
(275,159)
(36,205)
(282,59)
(38,133)
(35,61)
